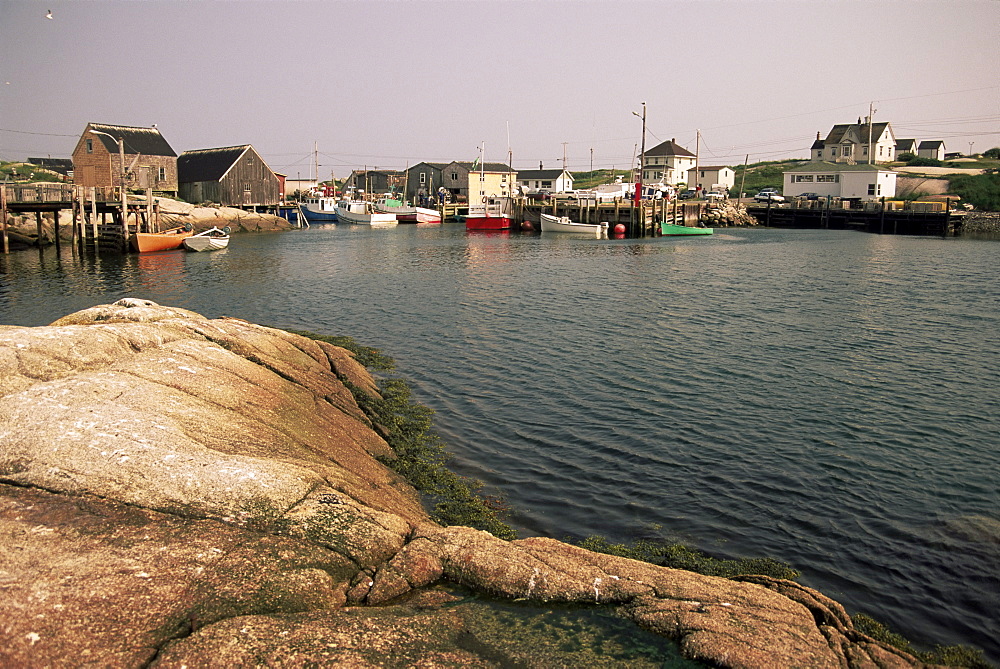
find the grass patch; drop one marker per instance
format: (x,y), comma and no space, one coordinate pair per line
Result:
(679,556)
(421,456)
(980,190)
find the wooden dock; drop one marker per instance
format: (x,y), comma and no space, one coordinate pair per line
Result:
(90,209)
(639,221)
(880,217)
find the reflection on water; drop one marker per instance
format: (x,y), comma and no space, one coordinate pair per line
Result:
(833,391)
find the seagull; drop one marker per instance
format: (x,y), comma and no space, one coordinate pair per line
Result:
(49,14)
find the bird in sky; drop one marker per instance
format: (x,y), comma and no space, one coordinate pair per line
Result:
(49,14)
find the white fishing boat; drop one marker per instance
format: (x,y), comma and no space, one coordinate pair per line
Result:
(405,213)
(362,212)
(425,215)
(212,239)
(563,224)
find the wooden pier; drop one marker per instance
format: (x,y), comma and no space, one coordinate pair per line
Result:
(639,221)
(882,217)
(89,208)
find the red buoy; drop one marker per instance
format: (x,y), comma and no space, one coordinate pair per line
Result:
(527,226)
(620,228)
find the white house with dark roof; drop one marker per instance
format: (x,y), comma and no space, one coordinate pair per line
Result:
(851,143)
(711,176)
(556,181)
(844,180)
(668,162)
(931,148)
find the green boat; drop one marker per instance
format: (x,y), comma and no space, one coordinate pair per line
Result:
(667,229)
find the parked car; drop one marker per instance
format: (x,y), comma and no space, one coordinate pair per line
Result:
(540,195)
(715,195)
(768,196)
(688,194)
(810,196)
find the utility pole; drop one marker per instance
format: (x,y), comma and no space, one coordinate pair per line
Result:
(637,197)
(592,159)
(871,122)
(564,155)
(743,178)
(697,158)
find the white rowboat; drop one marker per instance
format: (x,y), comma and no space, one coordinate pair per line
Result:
(563,224)
(212,239)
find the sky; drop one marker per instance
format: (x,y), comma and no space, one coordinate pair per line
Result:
(387,84)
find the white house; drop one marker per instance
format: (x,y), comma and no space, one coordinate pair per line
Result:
(557,181)
(851,143)
(843,180)
(668,162)
(709,177)
(932,148)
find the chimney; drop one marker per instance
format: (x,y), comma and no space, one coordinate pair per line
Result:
(540,165)
(817,134)
(859,120)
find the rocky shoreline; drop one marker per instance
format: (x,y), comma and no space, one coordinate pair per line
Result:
(183,491)
(981,222)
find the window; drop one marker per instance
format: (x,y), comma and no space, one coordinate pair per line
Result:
(423,177)
(454,176)
(871,189)
(828,178)
(846,149)
(546,184)
(864,151)
(163,174)
(90,146)
(246,188)
(833,151)
(802,178)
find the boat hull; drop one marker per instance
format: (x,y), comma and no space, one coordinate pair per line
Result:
(362,213)
(198,243)
(150,242)
(551,223)
(674,230)
(425,215)
(487,222)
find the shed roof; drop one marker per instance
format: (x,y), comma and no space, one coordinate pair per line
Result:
(540,174)
(207,164)
(854,132)
(827,166)
(487,167)
(931,144)
(147,141)
(712,168)
(669,148)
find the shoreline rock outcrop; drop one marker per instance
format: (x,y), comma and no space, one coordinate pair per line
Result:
(177,490)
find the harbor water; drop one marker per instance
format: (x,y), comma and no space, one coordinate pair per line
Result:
(830,399)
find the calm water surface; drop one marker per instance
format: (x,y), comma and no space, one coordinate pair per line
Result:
(826,398)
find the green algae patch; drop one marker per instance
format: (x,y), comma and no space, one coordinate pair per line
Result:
(527,636)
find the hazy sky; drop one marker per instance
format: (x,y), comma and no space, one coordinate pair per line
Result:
(388,84)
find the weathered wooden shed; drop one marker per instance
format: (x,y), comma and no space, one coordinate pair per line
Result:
(233,176)
(150,162)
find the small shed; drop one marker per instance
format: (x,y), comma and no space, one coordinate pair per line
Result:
(556,181)
(931,148)
(233,176)
(150,162)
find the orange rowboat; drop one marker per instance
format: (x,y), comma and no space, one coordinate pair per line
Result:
(168,240)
